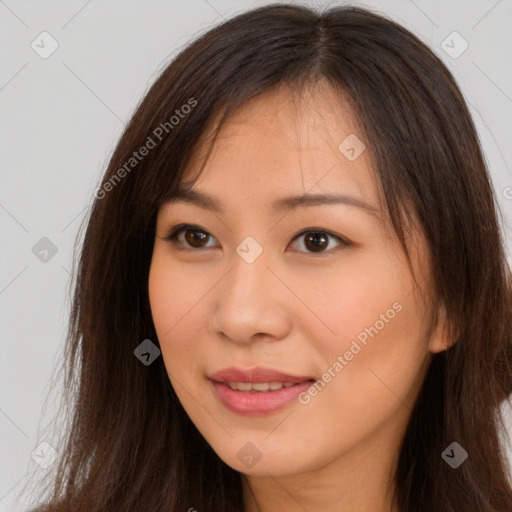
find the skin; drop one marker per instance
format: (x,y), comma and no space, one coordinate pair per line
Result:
(294,309)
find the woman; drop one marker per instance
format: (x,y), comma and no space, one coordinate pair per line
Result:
(293,291)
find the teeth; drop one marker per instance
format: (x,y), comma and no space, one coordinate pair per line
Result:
(261,386)
(258,386)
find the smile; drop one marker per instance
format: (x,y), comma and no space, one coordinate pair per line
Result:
(258,387)
(258,390)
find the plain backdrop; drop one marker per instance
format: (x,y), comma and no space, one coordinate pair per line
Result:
(61,115)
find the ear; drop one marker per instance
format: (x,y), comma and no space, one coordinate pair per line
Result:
(442,337)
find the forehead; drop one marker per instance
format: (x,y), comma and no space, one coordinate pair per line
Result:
(280,144)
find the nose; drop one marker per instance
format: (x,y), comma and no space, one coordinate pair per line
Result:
(250,304)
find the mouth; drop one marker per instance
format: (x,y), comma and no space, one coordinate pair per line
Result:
(258,391)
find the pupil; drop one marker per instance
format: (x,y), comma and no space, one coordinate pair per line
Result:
(316,238)
(194,236)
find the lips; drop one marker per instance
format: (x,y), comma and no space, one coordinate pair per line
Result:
(258,391)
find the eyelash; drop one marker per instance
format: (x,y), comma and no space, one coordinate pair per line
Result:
(176,230)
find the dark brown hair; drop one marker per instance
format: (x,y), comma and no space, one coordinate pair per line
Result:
(129,444)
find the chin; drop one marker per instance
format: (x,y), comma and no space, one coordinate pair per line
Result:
(257,459)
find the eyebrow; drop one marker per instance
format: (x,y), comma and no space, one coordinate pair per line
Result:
(207,202)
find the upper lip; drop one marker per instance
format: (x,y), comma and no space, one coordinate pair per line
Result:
(256,374)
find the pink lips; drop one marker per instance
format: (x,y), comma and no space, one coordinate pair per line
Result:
(262,402)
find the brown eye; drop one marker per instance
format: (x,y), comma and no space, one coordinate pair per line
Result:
(195,238)
(190,237)
(316,241)
(186,236)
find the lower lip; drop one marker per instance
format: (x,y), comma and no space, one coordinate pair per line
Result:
(258,403)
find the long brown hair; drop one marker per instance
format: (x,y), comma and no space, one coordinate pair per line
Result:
(129,444)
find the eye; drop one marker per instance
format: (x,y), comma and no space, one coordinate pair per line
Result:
(194,237)
(317,240)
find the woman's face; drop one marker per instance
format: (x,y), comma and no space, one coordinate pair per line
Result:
(242,297)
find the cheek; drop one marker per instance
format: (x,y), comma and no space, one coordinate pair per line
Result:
(178,306)
(372,355)
(367,297)
(383,356)
(174,294)
(375,362)
(179,312)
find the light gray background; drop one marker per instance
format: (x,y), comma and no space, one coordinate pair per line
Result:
(61,117)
